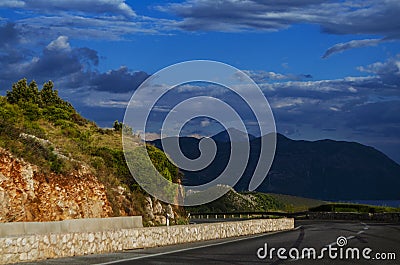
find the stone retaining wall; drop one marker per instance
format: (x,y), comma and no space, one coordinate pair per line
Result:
(55,245)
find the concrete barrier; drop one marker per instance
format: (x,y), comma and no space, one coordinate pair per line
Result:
(70,226)
(55,245)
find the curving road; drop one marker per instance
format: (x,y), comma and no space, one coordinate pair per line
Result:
(382,239)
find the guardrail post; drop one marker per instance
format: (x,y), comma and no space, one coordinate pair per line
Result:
(167,222)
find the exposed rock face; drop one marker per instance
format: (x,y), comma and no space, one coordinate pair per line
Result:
(123,204)
(156,212)
(148,207)
(157,207)
(170,212)
(28,195)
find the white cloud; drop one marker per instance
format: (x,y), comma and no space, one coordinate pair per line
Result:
(150,136)
(290,102)
(266,75)
(12,3)
(61,43)
(83,27)
(352,89)
(390,66)
(118,7)
(44,20)
(205,123)
(106,99)
(334,109)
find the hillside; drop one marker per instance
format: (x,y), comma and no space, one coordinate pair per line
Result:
(331,170)
(234,201)
(67,157)
(325,169)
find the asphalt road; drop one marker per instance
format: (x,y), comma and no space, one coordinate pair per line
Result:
(382,239)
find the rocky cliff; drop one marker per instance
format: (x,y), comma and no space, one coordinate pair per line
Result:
(55,164)
(26,194)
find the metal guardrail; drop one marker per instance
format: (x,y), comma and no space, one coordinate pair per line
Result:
(384,217)
(218,215)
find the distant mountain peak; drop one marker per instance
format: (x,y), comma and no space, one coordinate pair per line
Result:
(232,135)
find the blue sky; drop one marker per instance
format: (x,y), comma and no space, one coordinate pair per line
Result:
(330,69)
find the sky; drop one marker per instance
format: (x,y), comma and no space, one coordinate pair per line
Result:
(329,69)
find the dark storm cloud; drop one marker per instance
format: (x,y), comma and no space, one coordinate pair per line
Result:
(9,35)
(57,61)
(230,15)
(88,55)
(11,52)
(338,17)
(118,81)
(73,69)
(376,113)
(341,47)
(365,17)
(335,17)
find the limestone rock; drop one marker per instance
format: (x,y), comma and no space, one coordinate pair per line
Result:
(160,219)
(170,211)
(149,208)
(157,207)
(28,195)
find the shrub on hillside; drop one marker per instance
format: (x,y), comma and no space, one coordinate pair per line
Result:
(46,103)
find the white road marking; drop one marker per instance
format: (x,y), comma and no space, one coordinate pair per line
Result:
(366,227)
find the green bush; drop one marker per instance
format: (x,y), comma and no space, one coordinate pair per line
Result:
(163,164)
(33,128)
(31,110)
(22,92)
(46,102)
(115,161)
(55,113)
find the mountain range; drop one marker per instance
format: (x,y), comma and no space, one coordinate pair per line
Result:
(324,169)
